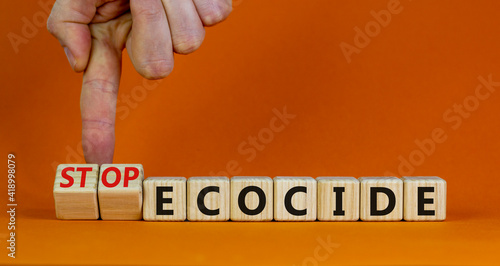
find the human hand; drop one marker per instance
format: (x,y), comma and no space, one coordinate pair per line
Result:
(93,34)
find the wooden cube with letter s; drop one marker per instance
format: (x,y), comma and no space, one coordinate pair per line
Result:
(75,191)
(120,191)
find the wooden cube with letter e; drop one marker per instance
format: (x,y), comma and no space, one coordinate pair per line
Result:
(424,198)
(164,199)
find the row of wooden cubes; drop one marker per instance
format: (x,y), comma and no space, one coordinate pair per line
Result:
(120,192)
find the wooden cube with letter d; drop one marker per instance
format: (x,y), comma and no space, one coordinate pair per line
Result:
(381,198)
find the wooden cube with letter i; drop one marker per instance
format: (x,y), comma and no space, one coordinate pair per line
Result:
(338,198)
(75,191)
(381,198)
(424,198)
(120,191)
(294,198)
(164,199)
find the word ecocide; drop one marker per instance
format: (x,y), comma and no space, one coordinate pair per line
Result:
(120,192)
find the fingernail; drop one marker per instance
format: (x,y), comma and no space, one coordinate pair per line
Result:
(70,57)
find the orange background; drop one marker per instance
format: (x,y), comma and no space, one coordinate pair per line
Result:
(353,119)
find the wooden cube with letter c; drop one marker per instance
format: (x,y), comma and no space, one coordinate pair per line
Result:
(424,198)
(208,198)
(164,199)
(75,191)
(251,198)
(120,191)
(295,198)
(381,198)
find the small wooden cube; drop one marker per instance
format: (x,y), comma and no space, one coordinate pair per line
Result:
(208,198)
(75,191)
(164,199)
(120,191)
(338,198)
(251,198)
(381,199)
(295,198)
(424,198)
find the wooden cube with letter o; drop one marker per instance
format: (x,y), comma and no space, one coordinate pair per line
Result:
(120,191)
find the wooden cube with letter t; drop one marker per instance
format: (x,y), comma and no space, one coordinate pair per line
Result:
(294,198)
(251,198)
(381,199)
(338,198)
(75,191)
(424,198)
(164,199)
(208,198)
(120,191)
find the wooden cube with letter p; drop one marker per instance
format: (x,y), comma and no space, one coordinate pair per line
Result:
(251,198)
(75,191)
(164,199)
(120,191)
(381,198)
(208,198)
(294,198)
(338,198)
(424,198)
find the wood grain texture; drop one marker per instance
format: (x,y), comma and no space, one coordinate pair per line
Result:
(252,200)
(210,205)
(394,184)
(76,202)
(172,189)
(348,188)
(120,202)
(300,201)
(437,196)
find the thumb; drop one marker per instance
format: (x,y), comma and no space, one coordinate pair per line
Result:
(68,22)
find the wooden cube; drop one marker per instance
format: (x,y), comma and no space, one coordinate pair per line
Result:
(295,198)
(75,191)
(208,199)
(164,199)
(251,198)
(120,191)
(381,199)
(424,198)
(338,198)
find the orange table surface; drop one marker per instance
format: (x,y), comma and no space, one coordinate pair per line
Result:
(420,98)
